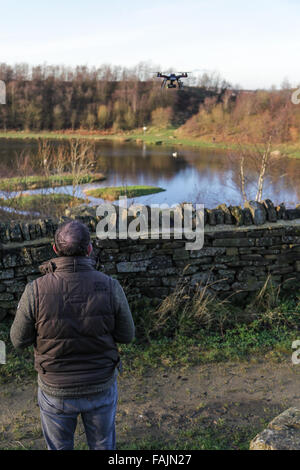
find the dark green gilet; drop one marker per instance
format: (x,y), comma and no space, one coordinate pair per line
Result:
(74,323)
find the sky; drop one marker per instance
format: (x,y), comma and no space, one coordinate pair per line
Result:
(254,44)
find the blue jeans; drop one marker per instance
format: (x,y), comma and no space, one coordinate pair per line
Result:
(59,419)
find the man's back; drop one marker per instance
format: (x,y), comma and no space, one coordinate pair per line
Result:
(75,321)
(74,316)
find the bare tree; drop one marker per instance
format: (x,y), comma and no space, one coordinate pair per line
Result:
(264,162)
(44,154)
(82,160)
(253,165)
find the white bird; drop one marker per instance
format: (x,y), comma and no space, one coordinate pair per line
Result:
(174,154)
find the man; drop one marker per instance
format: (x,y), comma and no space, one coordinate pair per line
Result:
(74,315)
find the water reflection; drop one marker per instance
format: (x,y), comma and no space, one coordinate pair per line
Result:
(193,175)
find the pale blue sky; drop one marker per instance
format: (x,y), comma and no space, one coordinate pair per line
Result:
(254,43)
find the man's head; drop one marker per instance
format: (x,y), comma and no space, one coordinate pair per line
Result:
(72,239)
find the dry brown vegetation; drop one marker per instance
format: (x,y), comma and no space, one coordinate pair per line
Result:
(249,117)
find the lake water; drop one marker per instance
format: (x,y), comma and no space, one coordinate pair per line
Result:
(205,176)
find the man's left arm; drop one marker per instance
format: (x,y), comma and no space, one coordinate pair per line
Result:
(23,332)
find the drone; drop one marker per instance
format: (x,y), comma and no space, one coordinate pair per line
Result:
(172,78)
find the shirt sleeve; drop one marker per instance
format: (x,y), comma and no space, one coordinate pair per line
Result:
(23,332)
(124,326)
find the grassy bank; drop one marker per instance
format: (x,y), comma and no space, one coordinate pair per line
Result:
(37,202)
(182,342)
(242,343)
(22,183)
(112,193)
(152,136)
(180,359)
(161,375)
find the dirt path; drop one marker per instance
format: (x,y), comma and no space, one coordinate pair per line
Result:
(160,406)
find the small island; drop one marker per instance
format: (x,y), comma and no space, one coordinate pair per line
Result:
(113,192)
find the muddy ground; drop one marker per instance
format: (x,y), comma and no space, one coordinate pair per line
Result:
(230,398)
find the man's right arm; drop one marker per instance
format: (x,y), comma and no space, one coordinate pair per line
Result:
(23,332)
(124,326)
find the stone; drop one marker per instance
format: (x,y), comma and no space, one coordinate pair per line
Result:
(202,278)
(132,266)
(258,212)
(237,214)
(220,286)
(293,214)
(15,232)
(9,304)
(38,231)
(3,313)
(32,231)
(227,274)
(180,253)
(283,433)
(228,220)
(81,211)
(46,227)
(211,217)
(142,255)
(4,296)
(14,286)
(271,211)
(207,251)
(149,281)
(281,211)
(6,274)
(247,217)
(42,253)
(220,217)
(9,260)
(170,281)
(25,231)
(23,271)
(4,232)
(234,242)
(232,251)
(159,262)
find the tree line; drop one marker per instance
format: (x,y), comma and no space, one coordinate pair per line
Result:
(48,97)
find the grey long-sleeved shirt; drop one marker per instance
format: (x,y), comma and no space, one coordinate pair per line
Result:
(23,334)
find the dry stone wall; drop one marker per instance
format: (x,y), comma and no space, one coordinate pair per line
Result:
(235,259)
